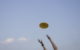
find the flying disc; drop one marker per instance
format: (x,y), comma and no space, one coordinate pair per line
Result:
(43,25)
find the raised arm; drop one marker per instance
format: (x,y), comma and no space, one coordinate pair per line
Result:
(40,41)
(52,43)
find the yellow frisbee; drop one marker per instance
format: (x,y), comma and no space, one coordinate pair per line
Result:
(43,25)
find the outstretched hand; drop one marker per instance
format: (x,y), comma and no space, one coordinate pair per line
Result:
(52,42)
(42,44)
(48,37)
(40,41)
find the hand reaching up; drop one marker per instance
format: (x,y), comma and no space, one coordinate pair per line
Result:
(40,41)
(48,37)
(52,43)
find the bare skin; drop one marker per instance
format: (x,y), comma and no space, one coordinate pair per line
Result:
(52,43)
(40,41)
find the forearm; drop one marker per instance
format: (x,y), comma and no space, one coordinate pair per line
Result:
(44,48)
(53,45)
(42,44)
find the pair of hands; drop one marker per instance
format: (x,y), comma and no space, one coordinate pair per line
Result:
(40,41)
(52,43)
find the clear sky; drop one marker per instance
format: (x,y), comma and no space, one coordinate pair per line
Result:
(19,24)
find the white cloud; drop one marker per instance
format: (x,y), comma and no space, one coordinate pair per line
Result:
(7,41)
(11,40)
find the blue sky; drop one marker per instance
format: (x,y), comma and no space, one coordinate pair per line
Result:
(20,19)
